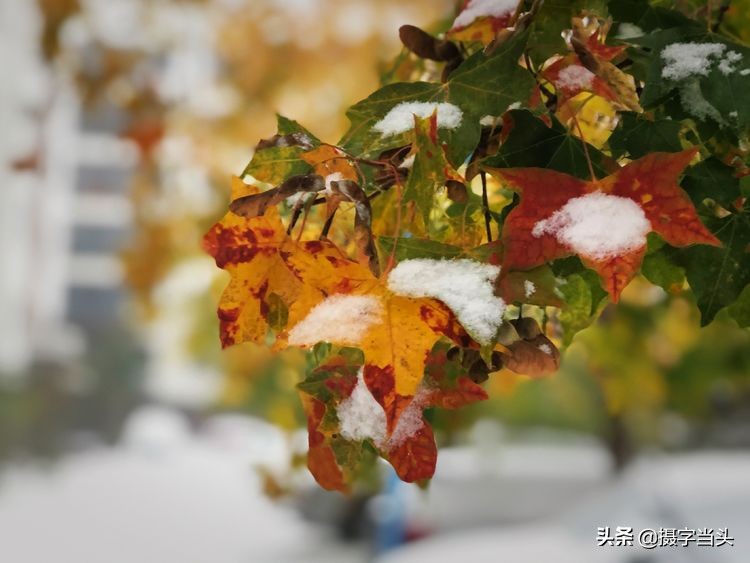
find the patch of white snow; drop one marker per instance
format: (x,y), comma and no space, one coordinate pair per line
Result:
(597,225)
(400,118)
(476,9)
(465,286)
(575,77)
(342,319)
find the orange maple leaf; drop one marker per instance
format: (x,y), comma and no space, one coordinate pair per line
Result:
(263,260)
(542,228)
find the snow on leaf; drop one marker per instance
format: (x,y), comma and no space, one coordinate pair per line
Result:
(340,318)
(263,261)
(575,77)
(707,72)
(597,225)
(605,79)
(474,9)
(361,416)
(465,286)
(431,169)
(529,288)
(484,84)
(347,404)
(400,118)
(683,60)
(554,223)
(396,344)
(480,20)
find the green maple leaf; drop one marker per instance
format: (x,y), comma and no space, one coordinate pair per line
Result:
(485,84)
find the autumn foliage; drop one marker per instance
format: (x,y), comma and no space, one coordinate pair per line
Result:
(433,245)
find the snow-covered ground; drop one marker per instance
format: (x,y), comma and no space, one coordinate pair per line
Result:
(693,491)
(169,494)
(165,496)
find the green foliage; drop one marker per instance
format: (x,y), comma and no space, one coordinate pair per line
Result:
(637,136)
(531,143)
(718,276)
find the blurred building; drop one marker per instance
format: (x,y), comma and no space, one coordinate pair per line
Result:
(64,206)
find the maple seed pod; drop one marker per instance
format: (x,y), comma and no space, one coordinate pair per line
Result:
(426,46)
(457,191)
(255,205)
(527,328)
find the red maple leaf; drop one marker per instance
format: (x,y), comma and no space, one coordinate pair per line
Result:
(595,44)
(545,226)
(571,77)
(589,69)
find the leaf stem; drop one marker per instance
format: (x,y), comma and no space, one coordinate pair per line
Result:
(327,226)
(295,217)
(585,150)
(486,206)
(723,9)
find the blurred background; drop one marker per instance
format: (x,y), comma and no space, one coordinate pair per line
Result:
(126,435)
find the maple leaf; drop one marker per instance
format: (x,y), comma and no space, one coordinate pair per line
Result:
(248,250)
(264,261)
(396,337)
(394,332)
(321,459)
(431,170)
(347,405)
(533,354)
(279,157)
(328,160)
(589,70)
(484,84)
(551,220)
(570,77)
